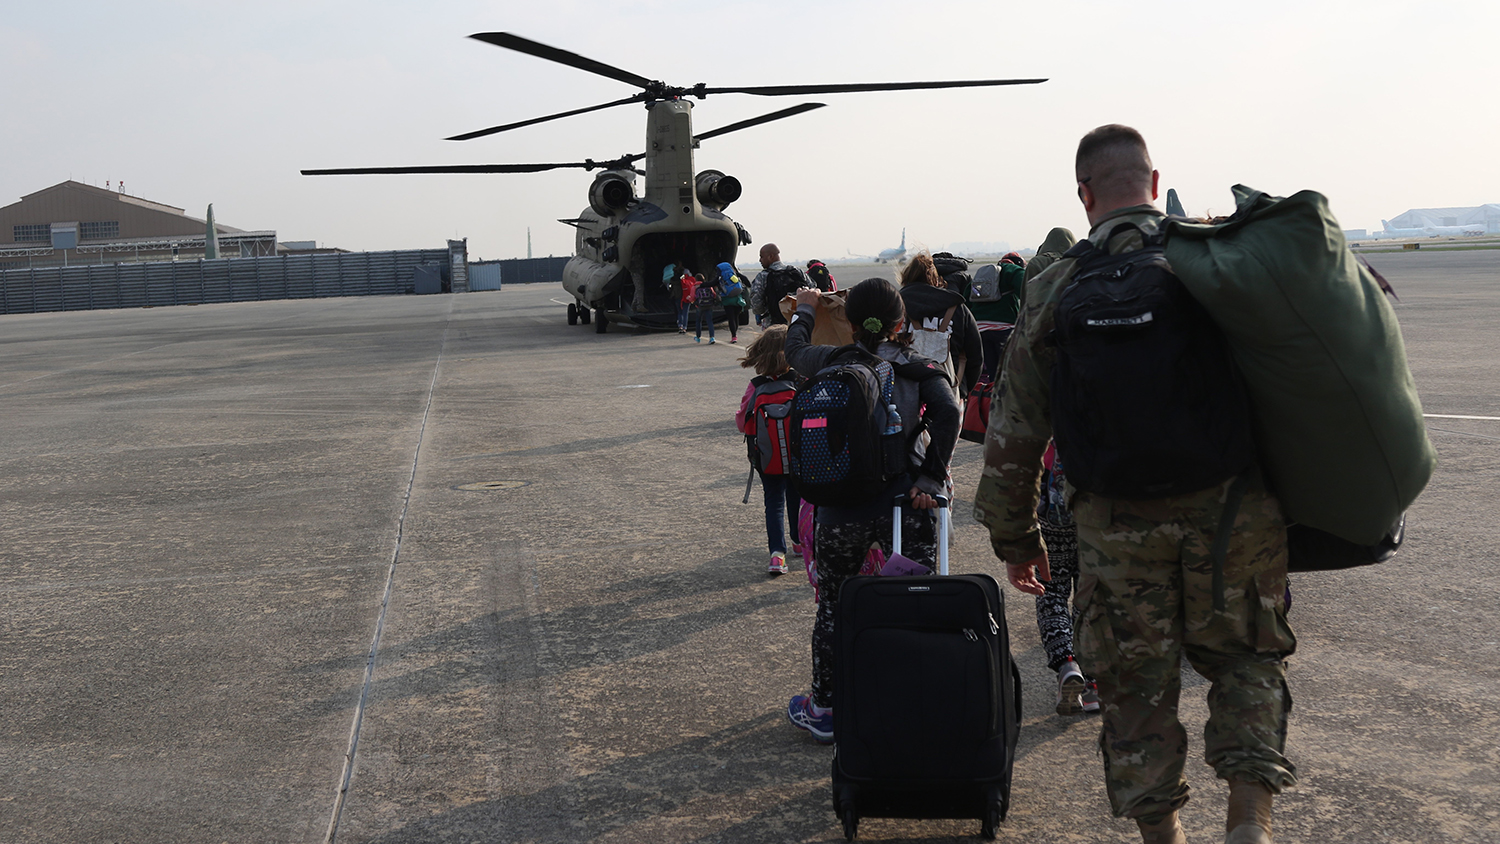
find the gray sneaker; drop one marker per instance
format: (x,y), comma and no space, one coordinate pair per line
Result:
(1070,689)
(1090,697)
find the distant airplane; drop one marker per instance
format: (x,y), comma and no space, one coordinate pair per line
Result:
(1430,231)
(886,256)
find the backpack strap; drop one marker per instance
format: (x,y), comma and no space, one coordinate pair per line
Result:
(1080,249)
(947,319)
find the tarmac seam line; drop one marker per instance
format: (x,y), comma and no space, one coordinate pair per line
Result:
(385,601)
(1464,433)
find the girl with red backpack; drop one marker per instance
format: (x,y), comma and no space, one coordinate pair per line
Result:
(774,385)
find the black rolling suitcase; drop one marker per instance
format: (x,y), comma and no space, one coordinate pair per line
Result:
(927,700)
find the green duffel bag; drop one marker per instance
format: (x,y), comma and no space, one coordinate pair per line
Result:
(1338,422)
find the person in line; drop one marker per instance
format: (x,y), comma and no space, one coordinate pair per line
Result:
(767,356)
(845,534)
(1147,567)
(996,319)
(733,305)
(1057,242)
(680,294)
(772,284)
(705,297)
(821,277)
(928,301)
(1076,691)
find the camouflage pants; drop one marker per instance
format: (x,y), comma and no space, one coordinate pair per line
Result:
(1144,599)
(841,550)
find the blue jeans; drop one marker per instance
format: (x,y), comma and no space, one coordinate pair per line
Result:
(780,490)
(706,315)
(682,312)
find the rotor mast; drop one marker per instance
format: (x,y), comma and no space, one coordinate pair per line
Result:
(669,156)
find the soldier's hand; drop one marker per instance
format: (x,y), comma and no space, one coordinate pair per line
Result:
(807,295)
(1027,576)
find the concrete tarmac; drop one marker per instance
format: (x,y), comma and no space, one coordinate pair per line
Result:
(505,561)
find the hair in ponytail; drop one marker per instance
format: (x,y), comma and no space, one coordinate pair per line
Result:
(875,309)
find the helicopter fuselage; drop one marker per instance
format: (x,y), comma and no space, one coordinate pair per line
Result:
(625,240)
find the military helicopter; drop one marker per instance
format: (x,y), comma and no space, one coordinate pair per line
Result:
(625,239)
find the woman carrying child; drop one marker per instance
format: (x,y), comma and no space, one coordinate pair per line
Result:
(845,534)
(768,358)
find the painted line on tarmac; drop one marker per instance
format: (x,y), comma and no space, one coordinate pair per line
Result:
(385,601)
(1465,434)
(1450,416)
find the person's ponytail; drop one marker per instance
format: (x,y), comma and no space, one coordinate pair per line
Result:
(874,309)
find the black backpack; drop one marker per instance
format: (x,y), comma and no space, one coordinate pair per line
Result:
(847,440)
(1146,400)
(821,277)
(779,283)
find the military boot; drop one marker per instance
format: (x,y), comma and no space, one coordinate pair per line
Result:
(1167,830)
(1249,819)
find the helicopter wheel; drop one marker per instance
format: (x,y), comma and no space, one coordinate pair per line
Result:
(583,314)
(572,314)
(600,323)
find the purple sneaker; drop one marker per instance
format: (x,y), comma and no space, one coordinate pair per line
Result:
(800,713)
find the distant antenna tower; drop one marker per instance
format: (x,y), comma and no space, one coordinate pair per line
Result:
(528,242)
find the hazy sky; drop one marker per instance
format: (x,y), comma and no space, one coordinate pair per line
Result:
(1383,106)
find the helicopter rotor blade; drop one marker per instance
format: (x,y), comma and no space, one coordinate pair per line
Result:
(756,121)
(542,51)
(468,136)
(450,168)
(856,87)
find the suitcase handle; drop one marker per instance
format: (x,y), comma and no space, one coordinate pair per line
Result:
(942,537)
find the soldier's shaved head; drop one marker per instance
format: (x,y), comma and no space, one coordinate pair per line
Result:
(770,253)
(1112,157)
(1114,170)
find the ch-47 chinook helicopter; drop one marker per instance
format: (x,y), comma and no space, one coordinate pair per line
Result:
(624,238)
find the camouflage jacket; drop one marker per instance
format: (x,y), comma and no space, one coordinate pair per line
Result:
(1021,423)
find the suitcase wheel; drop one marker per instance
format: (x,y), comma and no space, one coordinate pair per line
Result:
(851,824)
(991,826)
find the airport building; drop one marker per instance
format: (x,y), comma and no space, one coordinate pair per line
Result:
(1424,218)
(78,247)
(72,223)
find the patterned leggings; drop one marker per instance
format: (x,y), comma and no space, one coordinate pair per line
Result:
(1054,618)
(841,551)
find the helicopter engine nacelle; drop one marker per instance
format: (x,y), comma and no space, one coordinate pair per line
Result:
(716,190)
(610,194)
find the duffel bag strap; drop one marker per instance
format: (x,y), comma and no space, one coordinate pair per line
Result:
(1226,530)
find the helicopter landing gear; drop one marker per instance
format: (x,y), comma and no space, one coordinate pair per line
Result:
(583,314)
(572,314)
(600,322)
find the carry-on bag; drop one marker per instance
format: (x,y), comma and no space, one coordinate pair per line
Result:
(927,699)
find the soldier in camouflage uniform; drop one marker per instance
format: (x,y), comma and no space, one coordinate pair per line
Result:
(1145,593)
